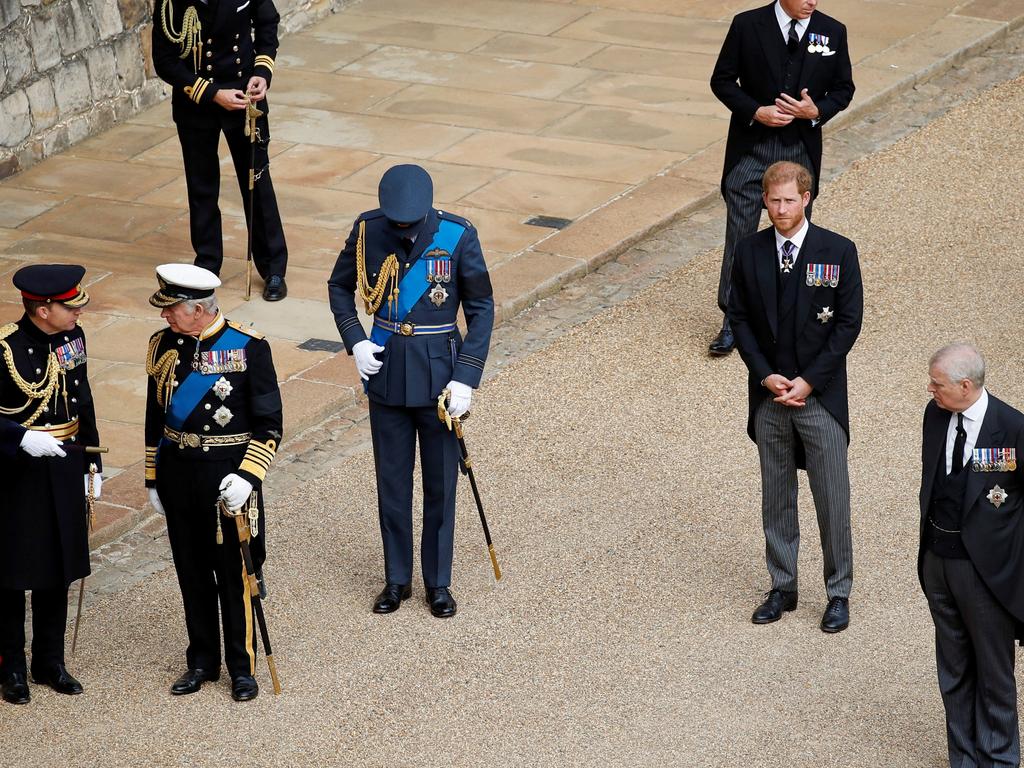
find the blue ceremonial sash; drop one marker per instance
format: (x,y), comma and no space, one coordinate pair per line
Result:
(188,394)
(415,284)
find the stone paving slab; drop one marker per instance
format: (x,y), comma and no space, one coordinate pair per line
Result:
(597,112)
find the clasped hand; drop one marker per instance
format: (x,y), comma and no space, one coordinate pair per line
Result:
(789,392)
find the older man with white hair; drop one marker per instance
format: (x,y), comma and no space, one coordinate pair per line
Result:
(971,555)
(213,425)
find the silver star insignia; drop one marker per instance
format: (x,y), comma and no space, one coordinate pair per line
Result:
(222,416)
(222,388)
(997,496)
(825,315)
(787,265)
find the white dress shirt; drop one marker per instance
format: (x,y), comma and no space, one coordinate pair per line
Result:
(973,417)
(785,20)
(797,239)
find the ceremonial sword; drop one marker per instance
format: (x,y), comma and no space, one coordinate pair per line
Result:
(90,502)
(251,115)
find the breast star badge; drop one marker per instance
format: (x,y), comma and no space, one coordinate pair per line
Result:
(222,416)
(222,388)
(438,295)
(997,496)
(825,315)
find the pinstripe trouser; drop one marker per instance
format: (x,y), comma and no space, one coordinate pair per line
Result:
(743,200)
(974,655)
(825,444)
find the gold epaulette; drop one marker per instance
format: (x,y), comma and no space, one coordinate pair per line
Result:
(246,329)
(161,370)
(7,330)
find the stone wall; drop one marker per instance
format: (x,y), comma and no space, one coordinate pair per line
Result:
(72,68)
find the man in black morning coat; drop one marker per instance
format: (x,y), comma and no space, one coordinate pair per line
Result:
(783,72)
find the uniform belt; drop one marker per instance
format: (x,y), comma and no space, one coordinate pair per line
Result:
(412,329)
(192,440)
(59,431)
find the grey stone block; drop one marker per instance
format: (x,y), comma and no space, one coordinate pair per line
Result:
(15,120)
(45,40)
(102,72)
(135,12)
(56,141)
(75,27)
(17,55)
(71,87)
(10,10)
(80,127)
(108,18)
(42,103)
(131,70)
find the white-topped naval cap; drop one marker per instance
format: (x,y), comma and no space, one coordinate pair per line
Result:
(181,282)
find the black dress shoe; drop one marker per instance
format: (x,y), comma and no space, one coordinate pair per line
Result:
(58,678)
(192,681)
(275,288)
(441,602)
(837,615)
(776,603)
(391,597)
(724,342)
(244,688)
(14,689)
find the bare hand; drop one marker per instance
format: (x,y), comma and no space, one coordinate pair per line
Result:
(257,88)
(796,397)
(231,98)
(777,384)
(773,117)
(805,108)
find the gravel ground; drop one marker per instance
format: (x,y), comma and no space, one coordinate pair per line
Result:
(624,500)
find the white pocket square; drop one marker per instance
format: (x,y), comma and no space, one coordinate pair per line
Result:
(243,6)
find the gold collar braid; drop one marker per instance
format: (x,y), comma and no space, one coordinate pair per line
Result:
(374,297)
(191,36)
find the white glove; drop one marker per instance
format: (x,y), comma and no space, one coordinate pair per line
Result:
(366,363)
(461,396)
(235,491)
(36,443)
(97,485)
(154,500)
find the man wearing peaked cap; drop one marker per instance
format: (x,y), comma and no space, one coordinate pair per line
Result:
(218,59)
(46,408)
(213,425)
(413,266)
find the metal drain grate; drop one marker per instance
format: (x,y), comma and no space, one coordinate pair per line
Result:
(322,345)
(552,222)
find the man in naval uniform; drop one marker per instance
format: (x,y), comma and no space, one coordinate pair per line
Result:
(213,425)
(218,56)
(46,415)
(971,554)
(413,266)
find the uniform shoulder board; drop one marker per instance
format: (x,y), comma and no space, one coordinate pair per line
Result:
(248,330)
(7,329)
(158,335)
(457,219)
(376,213)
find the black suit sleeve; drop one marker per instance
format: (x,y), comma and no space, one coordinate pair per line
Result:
(840,91)
(742,297)
(265,413)
(265,19)
(725,77)
(849,314)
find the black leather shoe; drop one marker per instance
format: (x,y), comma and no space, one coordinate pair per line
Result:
(837,615)
(192,681)
(14,689)
(244,688)
(441,602)
(58,678)
(724,342)
(275,289)
(776,603)
(391,597)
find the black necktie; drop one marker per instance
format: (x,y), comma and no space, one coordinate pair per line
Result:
(959,444)
(407,245)
(787,257)
(793,41)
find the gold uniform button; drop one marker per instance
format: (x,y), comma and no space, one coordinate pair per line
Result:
(209,54)
(206,427)
(181,341)
(30,350)
(209,68)
(239,74)
(39,370)
(208,406)
(238,61)
(76,382)
(74,400)
(236,37)
(206,449)
(234,48)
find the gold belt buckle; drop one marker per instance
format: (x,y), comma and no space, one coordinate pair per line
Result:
(407,329)
(190,440)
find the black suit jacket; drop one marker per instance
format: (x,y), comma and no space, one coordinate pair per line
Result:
(821,347)
(993,536)
(749,74)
